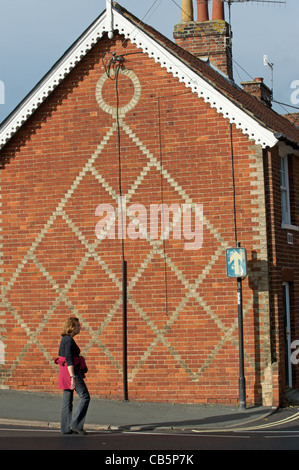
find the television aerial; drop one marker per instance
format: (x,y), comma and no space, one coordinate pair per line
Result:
(270,2)
(231,2)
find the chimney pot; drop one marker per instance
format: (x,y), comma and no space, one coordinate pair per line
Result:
(218,10)
(187,11)
(202,11)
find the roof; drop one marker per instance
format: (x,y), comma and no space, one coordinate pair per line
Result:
(260,123)
(293,117)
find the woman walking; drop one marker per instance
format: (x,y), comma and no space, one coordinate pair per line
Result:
(70,379)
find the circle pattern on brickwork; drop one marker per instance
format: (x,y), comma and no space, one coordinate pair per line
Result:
(123,110)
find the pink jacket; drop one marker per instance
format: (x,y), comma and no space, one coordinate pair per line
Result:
(64,379)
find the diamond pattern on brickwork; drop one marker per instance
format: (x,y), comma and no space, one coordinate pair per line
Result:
(63,286)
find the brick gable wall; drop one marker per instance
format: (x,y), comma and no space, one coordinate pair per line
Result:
(182,309)
(283,263)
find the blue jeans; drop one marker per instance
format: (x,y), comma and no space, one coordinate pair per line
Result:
(76,421)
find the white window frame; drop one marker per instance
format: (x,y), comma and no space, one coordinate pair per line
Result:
(285,192)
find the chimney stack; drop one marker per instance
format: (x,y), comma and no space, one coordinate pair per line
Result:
(258,89)
(202,10)
(204,38)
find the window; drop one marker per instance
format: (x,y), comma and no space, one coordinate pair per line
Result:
(285,191)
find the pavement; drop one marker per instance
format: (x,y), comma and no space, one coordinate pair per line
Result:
(42,409)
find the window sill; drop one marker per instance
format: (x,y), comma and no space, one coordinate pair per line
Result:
(290,227)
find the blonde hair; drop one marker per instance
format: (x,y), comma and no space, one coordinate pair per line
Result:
(69,326)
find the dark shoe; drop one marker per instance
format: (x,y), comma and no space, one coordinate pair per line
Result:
(68,432)
(80,431)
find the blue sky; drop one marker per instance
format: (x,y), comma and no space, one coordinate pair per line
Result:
(35,33)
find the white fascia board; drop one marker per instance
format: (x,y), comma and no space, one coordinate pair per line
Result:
(152,48)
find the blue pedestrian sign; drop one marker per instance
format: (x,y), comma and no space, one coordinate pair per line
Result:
(236,262)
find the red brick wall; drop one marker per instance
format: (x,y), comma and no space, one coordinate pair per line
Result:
(182,309)
(293,261)
(283,260)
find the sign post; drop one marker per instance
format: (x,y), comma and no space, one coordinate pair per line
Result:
(236,266)
(242,384)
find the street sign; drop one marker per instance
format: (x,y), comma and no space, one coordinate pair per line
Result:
(236,262)
(236,266)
